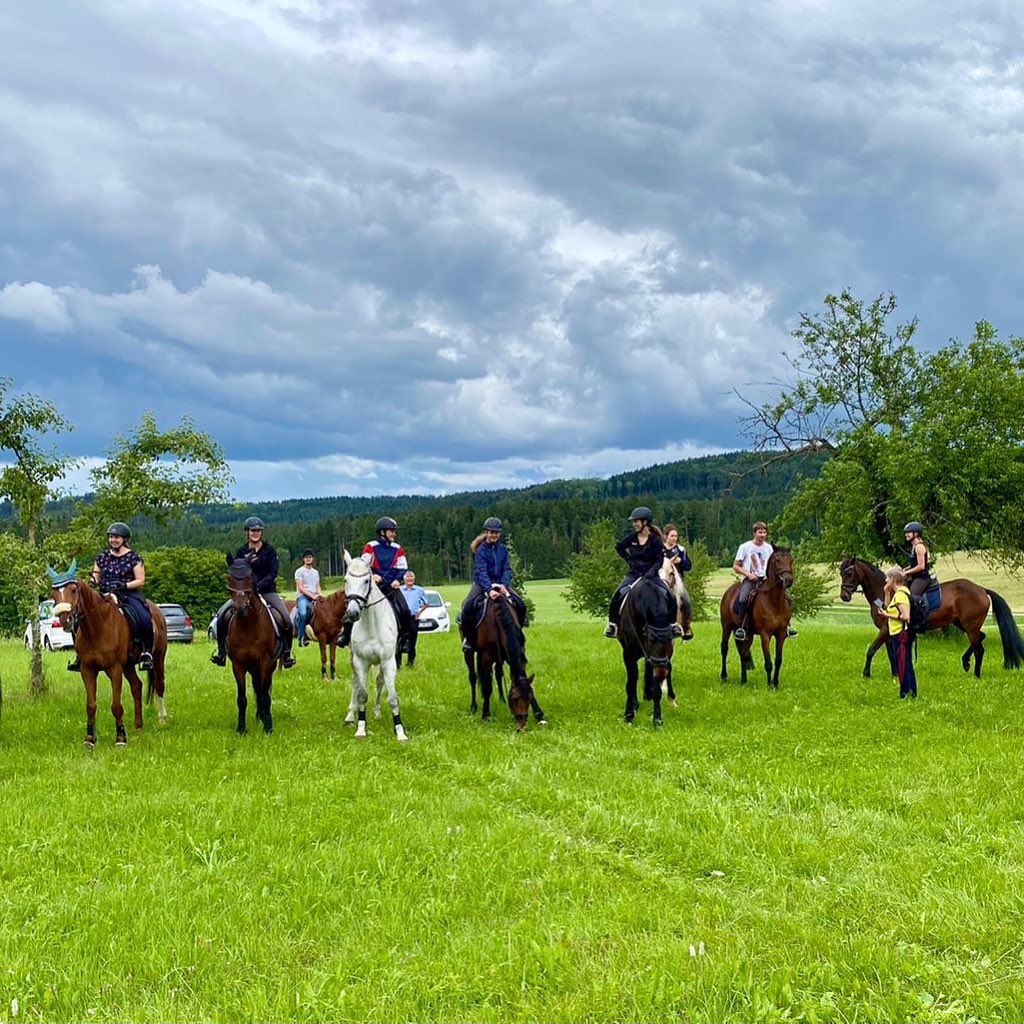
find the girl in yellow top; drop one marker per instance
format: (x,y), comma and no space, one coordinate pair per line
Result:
(897,610)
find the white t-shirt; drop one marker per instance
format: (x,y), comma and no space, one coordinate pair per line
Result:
(754,557)
(309,578)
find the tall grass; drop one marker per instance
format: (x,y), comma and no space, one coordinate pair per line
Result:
(824,852)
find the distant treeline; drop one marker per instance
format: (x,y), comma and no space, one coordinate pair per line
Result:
(714,499)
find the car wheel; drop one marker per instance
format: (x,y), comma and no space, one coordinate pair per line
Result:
(46,644)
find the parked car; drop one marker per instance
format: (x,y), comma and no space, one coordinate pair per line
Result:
(52,635)
(211,629)
(179,624)
(435,617)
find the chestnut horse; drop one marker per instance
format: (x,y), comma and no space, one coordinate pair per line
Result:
(252,643)
(103,643)
(324,625)
(498,642)
(645,631)
(964,604)
(770,612)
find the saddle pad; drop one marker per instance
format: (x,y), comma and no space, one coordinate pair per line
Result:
(933,595)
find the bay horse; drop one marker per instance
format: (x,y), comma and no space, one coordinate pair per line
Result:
(252,644)
(324,626)
(964,605)
(645,631)
(769,611)
(103,643)
(374,640)
(498,642)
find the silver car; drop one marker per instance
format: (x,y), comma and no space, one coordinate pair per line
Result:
(179,624)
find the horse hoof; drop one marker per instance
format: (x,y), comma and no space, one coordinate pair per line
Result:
(658,723)
(542,721)
(400,734)
(672,704)
(349,721)
(90,744)
(361,731)
(121,741)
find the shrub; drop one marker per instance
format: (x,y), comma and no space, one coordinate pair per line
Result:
(194,578)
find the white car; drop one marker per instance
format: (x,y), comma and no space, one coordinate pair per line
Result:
(52,634)
(435,617)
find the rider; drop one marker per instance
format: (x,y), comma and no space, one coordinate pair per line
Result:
(119,571)
(262,559)
(752,564)
(492,575)
(644,552)
(307,593)
(919,567)
(676,554)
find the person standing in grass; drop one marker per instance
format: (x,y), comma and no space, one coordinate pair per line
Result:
(896,608)
(416,598)
(307,593)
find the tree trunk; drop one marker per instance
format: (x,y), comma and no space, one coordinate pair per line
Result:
(37,686)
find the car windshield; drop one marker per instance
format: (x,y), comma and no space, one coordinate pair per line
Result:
(434,599)
(172,609)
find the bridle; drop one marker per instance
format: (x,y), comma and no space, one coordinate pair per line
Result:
(362,601)
(648,634)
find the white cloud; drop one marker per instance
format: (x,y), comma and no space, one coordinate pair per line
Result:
(36,304)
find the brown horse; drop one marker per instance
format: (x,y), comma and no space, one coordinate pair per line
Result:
(252,643)
(103,643)
(964,604)
(324,626)
(770,612)
(498,642)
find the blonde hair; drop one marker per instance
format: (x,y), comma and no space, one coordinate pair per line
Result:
(897,575)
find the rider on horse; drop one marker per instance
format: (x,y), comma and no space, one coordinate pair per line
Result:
(307,593)
(752,564)
(919,566)
(492,575)
(262,559)
(676,554)
(644,552)
(119,571)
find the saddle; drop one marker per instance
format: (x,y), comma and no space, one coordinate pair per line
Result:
(933,595)
(278,644)
(130,614)
(479,610)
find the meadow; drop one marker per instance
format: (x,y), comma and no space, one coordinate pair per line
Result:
(825,852)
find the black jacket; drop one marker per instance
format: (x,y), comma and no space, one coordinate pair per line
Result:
(642,559)
(264,567)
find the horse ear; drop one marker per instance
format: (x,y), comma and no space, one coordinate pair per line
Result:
(345,558)
(52,573)
(73,570)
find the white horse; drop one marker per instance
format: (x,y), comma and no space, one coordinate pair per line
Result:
(374,639)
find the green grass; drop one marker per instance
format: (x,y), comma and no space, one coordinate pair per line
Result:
(825,852)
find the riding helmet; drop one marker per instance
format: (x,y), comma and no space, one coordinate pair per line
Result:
(643,512)
(386,523)
(493,523)
(913,527)
(119,530)
(254,523)
(309,551)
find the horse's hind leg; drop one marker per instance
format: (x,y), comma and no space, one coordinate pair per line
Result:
(977,649)
(486,688)
(470,659)
(89,679)
(380,691)
(667,685)
(725,653)
(116,707)
(135,683)
(632,703)
(879,641)
(388,680)
(334,651)
(157,677)
(323,658)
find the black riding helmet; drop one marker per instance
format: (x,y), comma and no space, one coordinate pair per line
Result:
(493,523)
(309,551)
(119,530)
(641,512)
(386,523)
(913,527)
(254,523)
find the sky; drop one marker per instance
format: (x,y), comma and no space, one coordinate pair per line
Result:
(400,246)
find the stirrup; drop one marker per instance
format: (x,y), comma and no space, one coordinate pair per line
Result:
(146,661)
(790,631)
(677,630)
(740,633)
(219,659)
(75,665)
(287,661)
(611,631)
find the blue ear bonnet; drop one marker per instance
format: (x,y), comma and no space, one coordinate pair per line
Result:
(59,579)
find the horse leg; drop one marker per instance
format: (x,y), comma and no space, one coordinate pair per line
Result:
(242,700)
(380,689)
(89,678)
(334,651)
(359,695)
(116,707)
(499,675)
(157,680)
(879,641)
(726,633)
(977,649)
(135,683)
(669,692)
(651,686)
(766,651)
(388,672)
(486,687)
(780,639)
(538,714)
(263,697)
(323,658)
(470,658)
(632,674)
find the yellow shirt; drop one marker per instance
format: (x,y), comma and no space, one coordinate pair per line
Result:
(892,611)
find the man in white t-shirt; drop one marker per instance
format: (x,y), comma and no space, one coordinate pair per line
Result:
(752,564)
(307,592)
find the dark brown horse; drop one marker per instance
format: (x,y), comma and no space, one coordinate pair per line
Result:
(964,604)
(103,643)
(770,612)
(324,626)
(498,642)
(645,631)
(252,643)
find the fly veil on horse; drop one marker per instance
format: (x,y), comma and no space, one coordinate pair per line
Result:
(645,630)
(770,612)
(963,604)
(104,643)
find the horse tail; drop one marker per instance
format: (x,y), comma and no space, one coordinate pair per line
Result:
(1013,644)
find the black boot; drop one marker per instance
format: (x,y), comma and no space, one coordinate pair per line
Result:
(346,635)
(221,657)
(75,664)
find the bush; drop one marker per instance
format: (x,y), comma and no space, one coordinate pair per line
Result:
(194,578)
(595,572)
(811,591)
(697,581)
(22,584)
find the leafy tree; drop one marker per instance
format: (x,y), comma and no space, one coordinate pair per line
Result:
(697,580)
(190,577)
(520,574)
(595,572)
(812,588)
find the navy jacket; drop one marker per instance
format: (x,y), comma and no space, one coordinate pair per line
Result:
(491,565)
(642,559)
(264,567)
(685,565)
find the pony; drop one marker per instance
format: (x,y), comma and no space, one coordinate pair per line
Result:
(498,642)
(770,612)
(324,626)
(645,631)
(103,642)
(374,640)
(253,644)
(964,604)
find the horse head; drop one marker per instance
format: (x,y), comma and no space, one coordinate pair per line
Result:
(520,697)
(64,589)
(358,587)
(850,578)
(780,568)
(240,586)
(648,613)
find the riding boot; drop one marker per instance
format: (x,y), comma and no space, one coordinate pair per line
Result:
(611,630)
(221,657)
(146,643)
(346,635)
(287,661)
(741,614)
(75,664)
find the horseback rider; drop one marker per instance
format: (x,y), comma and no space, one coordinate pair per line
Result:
(752,564)
(492,575)
(676,554)
(119,571)
(307,593)
(918,572)
(262,559)
(643,550)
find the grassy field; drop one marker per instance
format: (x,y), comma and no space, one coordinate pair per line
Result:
(825,852)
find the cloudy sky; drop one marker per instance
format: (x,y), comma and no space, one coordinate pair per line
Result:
(410,246)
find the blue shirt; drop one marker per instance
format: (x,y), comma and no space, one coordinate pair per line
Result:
(415,597)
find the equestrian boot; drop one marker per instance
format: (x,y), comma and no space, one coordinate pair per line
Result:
(75,664)
(221,657)
(287,661)
(346,635)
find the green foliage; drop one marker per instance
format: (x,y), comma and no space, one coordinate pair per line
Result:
(812,590)
(191,577)
(21,584)
(520,574)
(697,579)
(596,571)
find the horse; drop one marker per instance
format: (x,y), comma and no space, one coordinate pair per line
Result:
(770,612)
(645,631)
(498,642)
(324,625)
(964,604)
(252,643)
(674,581)
(374,640)
(103,643)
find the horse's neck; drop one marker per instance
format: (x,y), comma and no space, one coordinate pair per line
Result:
(872,581)
(251,623)
(97,610)
(377,614)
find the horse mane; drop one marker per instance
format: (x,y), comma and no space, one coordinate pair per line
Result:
(510,635)
(648,594)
